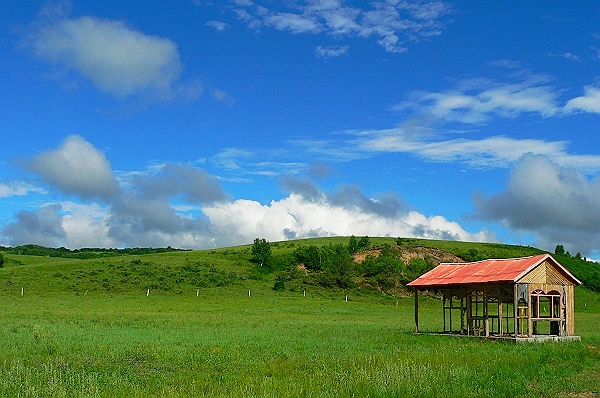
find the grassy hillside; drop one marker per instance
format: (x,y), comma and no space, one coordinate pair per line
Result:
(213,326)
(171,271)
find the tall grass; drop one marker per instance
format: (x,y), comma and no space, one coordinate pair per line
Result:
(224,343)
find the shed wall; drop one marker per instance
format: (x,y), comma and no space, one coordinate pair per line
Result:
(569,301)
(545,273)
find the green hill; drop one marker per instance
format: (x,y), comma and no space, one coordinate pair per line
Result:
(85,327)
(348,263)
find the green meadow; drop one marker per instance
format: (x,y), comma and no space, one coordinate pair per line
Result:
(208,324)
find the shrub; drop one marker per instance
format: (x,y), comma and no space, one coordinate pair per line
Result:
(279,284)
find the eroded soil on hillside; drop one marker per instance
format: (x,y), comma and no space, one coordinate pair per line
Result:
(434,256)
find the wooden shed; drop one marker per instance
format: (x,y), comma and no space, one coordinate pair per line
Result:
(520,298)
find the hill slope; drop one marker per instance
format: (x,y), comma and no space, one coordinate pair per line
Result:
(380,264)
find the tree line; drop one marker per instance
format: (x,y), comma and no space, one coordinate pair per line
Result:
(83,253)
(334,265)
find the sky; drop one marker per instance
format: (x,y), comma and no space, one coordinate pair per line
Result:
(200,124)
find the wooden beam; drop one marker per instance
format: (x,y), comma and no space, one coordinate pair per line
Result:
(416,310)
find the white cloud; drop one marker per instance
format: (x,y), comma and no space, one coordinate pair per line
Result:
(295,217)
(479,101)
(219,26)
(85,225)
(589,102)
(223,96)
(566,55)
(236,161)
(118,59)
(293,22)
(393,23)
(140,222)
(183,206)
(76,167)
(330,51)
(18,189)
(488,152)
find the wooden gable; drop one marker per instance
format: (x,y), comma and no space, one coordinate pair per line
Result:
(546,273)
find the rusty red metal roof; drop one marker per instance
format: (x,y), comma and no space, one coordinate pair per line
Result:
(486,271)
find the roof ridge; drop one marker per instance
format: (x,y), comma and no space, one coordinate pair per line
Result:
(502,259)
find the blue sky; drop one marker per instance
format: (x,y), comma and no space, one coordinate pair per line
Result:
(201,124)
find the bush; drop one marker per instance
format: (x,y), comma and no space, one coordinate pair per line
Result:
(279,284)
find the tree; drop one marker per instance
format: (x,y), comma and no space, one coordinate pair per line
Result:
(353,245)
(363,243)
(261,251)
(1,260)
(311,257)
(560,249)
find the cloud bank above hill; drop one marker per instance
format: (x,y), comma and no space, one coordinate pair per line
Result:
(183,206)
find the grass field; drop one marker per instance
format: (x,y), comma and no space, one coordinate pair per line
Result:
(224,343)
(88,329)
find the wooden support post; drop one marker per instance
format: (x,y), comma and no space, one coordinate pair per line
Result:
(451,309)
(530,331)
(469,312)
(444,309)
(486,308)
(500,311)
(416,310)
(516,309)
(463,306)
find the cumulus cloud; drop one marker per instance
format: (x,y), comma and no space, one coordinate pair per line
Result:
(393,24)
(558,204)
(118,59)
(351,196)
(76,167)
(85,225)
(295,217)
(172,180)
(304,187)
(589,102)
(139,221)
(43,227)
(183,206)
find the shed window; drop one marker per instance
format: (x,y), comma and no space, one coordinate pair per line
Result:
(545,305)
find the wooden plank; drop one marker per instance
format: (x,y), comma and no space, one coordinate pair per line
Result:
(416,310)
(570,310)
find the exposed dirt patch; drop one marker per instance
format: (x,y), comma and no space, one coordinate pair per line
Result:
(435,256)
(583,394)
